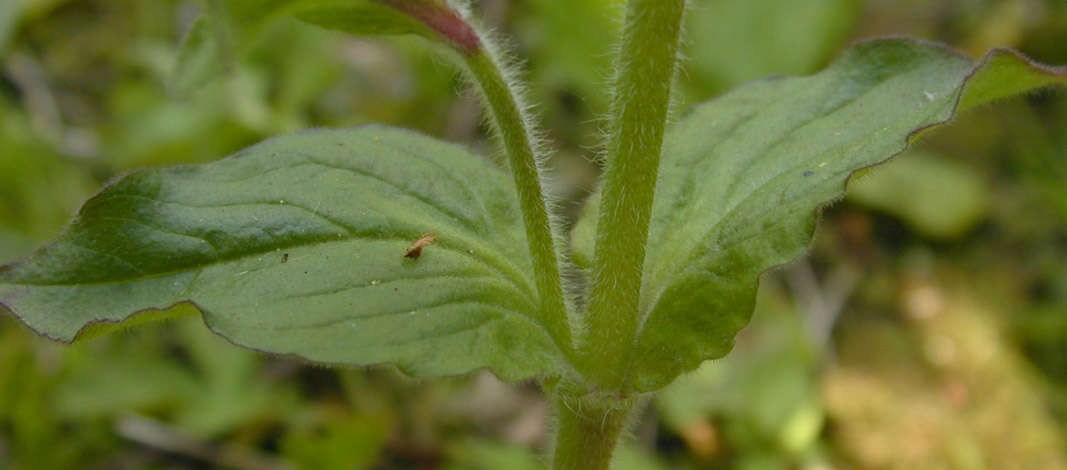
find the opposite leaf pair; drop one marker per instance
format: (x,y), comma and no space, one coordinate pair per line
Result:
(295,245)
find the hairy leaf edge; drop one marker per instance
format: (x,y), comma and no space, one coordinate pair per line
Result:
(1054,73)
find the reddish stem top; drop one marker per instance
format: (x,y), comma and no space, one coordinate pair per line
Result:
(443,20)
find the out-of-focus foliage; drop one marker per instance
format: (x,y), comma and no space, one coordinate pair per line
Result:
(9,14)
(570,58)
(941,394)
(227,29)
(760,402)
(836,370)
(30,171)
(735,41)
(936,196)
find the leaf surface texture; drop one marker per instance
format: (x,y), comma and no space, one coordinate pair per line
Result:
(742,179)
(296,246)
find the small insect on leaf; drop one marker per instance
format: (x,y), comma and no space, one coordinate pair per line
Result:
(416,247)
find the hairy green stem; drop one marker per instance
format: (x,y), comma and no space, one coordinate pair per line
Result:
(515,131)
(645,70)
(588,429)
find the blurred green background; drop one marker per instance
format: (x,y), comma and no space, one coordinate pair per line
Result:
(927,329)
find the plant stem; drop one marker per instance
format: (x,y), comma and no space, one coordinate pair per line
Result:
(515,130)
(645,70)
(588,429)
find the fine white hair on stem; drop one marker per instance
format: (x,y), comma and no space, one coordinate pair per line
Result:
(607,124)
(494,46)
(463,7)
(604,119)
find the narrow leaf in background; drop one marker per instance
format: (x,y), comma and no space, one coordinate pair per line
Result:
(228,29)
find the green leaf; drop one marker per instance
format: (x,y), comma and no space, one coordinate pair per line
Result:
(572,43)
(10,11)
(342,442)
(583,234)
(764,392)
(30,170)
(735,41)
(230,28)
(937,197)
(471,454)
(297,246)
(202,57)
(230,391)
(743,177)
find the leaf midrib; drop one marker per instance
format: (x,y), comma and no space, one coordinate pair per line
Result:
(513,274)
(349,238)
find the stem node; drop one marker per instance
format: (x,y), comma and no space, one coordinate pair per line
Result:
(589,425)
